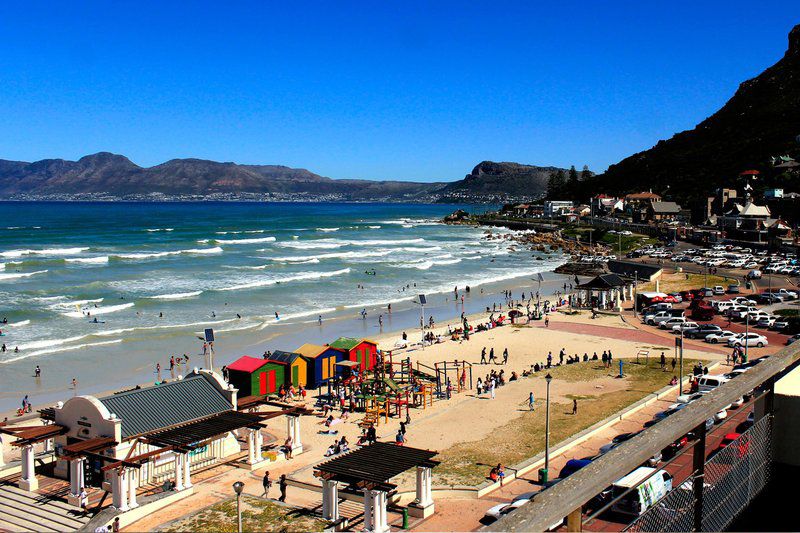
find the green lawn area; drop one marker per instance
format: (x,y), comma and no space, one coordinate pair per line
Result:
(468,463)
(257,515)
(681,281)
(614,240)
(788,312)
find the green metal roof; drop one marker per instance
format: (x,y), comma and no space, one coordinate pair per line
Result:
(163,406)
(284,357)
(345,343)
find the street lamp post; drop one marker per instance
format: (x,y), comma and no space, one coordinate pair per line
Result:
(238,487)
(746,331)
(548,378)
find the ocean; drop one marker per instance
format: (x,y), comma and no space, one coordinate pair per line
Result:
(154,275)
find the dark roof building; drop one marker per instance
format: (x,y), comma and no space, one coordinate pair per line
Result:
(161,406)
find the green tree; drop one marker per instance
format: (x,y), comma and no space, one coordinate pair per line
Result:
(556,185)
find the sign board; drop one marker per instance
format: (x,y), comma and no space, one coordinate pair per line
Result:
(422,299)
(209,334)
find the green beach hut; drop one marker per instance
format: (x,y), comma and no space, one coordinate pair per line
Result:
(254,376)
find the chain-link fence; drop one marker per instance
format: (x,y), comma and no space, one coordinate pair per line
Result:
(733,477)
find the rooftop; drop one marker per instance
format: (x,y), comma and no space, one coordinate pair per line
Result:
(247,363)
(162,406)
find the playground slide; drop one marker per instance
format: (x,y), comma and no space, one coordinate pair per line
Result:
(392,385)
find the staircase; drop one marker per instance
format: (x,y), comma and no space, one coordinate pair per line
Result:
(28,511)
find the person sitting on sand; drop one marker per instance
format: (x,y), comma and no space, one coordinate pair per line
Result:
(333,449)
(673,381)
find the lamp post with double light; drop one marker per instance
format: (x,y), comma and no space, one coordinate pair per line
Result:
(544,473)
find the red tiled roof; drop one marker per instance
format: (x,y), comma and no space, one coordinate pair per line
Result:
(247,363)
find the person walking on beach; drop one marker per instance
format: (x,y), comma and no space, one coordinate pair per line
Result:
(531,402)
(674,362)
(492,358)
(74,384)
(282,484)
(561,356)
(483,356)
(663,362)
(380,321)
(492,386)
(547,321)
(549,359)
(158,371)
(319,320)
(574,406)
(266,483)
(505,355)
(37,373)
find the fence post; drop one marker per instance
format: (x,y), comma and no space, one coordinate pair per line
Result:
(699,457)
(575,520)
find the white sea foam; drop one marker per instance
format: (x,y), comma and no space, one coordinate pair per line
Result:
(241,241)
(99,310)
(153,255)
(328,230)
(153,230)
(374,227)
(294,277)
(18,324)
(2,266)
(331,255)
(17,275)
(177,295)
(25,355)
(321,244)
(45,251)
(385,242)
(98,260)
(408,225)
(69,304)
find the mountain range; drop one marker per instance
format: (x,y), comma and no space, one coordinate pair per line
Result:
(115,175)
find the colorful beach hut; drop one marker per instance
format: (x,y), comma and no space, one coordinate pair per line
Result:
(296,367)
(254,376)
(321,362)
(362,351)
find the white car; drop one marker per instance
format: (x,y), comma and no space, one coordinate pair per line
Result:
(743,300)
(683,326)
(674,321)
(504,508)
(722,336)
(750,339)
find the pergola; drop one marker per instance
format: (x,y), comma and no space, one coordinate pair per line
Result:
(369,470)
(604,289)
(27,437)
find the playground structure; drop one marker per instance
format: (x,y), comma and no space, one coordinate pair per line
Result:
(394,386)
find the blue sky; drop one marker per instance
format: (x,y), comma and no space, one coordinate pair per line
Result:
(380,90)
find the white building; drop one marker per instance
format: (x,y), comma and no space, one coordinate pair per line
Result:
(554,208)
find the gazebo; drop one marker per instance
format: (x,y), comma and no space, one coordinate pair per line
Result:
(604,291)
(368,470)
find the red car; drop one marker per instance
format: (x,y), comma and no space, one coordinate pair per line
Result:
(687,296)
(671,299)
(742,446)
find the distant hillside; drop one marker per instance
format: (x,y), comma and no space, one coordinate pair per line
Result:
(502,180)
(761,120)
(116,175)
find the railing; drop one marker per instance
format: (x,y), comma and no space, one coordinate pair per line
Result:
(567,498)
(730,481)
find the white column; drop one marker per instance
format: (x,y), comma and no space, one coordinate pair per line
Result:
(28,480)
(380,522)
(119,490)
(423,486)
(133,475)
(178,471)
(259,445)
(187,475)
(330,500)
(298,439)
(2,449)
(75,477)
(367,510)
(251,447)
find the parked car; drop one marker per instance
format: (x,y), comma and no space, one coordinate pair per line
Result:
(794,338)
(722,336)
(735,440)
(743,300)
(718,290)
(677,328)
(701,331)
(787,294)
(750,339)
(733,289)
(709,383)
(671,322)
(648,486)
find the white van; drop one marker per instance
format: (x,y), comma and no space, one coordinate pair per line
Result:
(754,274)
(644,492)
(709,383)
